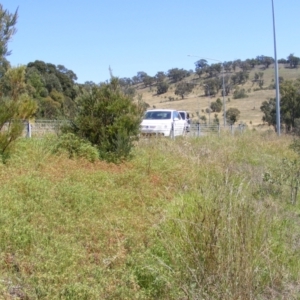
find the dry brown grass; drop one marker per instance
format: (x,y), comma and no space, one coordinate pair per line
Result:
(249,107)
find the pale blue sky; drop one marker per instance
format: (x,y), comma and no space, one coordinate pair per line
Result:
(142,35)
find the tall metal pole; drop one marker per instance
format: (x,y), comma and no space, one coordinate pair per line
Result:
(276,78)
(208,107)
(224,104)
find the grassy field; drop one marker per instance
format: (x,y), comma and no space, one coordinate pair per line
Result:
(184,219)
(249,107)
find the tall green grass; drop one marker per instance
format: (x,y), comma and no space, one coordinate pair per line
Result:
(184,219)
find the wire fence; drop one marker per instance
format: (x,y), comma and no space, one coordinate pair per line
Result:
(38,128)
(198,129)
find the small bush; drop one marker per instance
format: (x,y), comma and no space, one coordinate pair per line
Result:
(239,94)
(76,147)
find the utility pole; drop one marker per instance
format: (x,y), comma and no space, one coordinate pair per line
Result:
(276,77)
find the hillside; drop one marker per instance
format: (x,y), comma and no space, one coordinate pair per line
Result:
(249,107)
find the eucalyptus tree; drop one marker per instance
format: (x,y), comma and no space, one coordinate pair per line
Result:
(160,76)
(293,61)
(8,23)
(176,74)
(200,66)
(183,88)
(232,115)
(16,106)
(53,87)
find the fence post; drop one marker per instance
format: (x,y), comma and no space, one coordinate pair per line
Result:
(198,129)
(28,134)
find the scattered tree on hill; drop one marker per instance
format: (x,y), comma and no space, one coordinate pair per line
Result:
(216,106)
(289,106)
(125,81)
(160,76)
(200,66)
(232,115)
(293,61)
(239,77)
(269,110)
(258,78)
(227,66)
(282,61)
(245,66)
(162,87)
(252,62)
(227,85)
(265,60)
(290,103)
(140,76)
(127,87)
(148,80)
(183,88)
(212,86)
(213,70)
(176,74)
(239,93)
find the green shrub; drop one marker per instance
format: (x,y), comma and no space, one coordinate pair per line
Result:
(108,119)
(239,94)
(76,147)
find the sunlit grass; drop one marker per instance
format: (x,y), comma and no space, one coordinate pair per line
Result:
(184,218)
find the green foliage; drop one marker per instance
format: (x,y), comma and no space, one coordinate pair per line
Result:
(239,93)
(211,87)
(265,60)
(8,22)
(183,88)
(176,74)
(53,87)
(162,87)
(203,238)
(160,76)
(216,106)
(293,61)
(269,110)
(108,119)
(240,77)
(216,119)
(289,106)
(232,115)
(15,106)
(75,147)
(290,103)
(286,174)
(148,80)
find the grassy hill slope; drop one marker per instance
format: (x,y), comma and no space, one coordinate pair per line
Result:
(249,107)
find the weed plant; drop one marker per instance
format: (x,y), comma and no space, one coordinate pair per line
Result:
(183,219)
